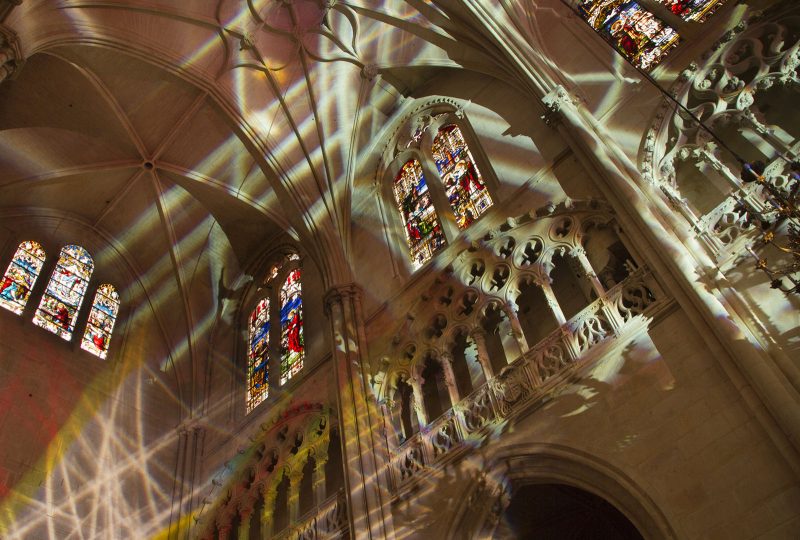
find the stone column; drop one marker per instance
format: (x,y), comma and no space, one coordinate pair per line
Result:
(245,515)
(483,355)
(365,453)
(446,360)
(516,328)
(417,402)
(294,496)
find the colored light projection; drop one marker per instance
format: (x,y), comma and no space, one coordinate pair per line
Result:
(463,184)
(101,321)
(423,229)
(691,10)
(64,294)
(635,32)
(258,355)
(292,342)
(21,276)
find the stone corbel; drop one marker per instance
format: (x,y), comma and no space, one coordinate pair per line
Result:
(554,102)
(11,58)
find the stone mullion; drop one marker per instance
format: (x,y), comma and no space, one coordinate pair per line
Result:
(365,456)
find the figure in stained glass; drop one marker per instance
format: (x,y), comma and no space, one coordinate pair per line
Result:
(292,343)
(64,294)
(635,32)
(691,10)
(466,192)
(258,355)
(423,230)
(20,276)
(101,321)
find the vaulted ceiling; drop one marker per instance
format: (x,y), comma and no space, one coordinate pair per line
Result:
(191,136)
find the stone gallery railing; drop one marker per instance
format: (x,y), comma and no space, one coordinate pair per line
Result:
(528,379)
(328,520)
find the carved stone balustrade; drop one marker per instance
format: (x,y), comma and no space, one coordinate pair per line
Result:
(529,379)
(328,520)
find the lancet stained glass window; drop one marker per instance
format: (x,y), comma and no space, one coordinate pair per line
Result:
(64,295)
(422,227)
(635,32)
(21,276)
(691,10)
(101,321)
(258,355)
(466,192)
(292,342)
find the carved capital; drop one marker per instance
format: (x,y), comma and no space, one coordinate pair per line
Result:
(339,294)
(11,58)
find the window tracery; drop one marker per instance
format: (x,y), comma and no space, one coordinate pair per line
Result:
(433,211)
(61,301)
(21,275)
(292,342)
(423,230)
(258,355)
(283,328)
(635,32)
(464,186)
(101,321)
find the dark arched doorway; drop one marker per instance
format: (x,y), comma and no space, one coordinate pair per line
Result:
(561,512)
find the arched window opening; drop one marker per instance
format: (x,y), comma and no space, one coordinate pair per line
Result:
(571,291)
(535,316)
(255,519)
(334,467)
(465,189)
(635,32)
(434,390)
(701,185)
(466,366)
(292,343)
(561,511)
(258,355)
(101,321)
(21,275)
(423,230)
(62,299)
(776,107)
(280,517)
(307,500)
(607,255)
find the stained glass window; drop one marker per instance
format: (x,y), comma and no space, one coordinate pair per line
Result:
(101,321)
(635,32)
(292,343)
(691,10)
(258,355)
(423,230)
(20,276)
(64,294)
(463,183)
